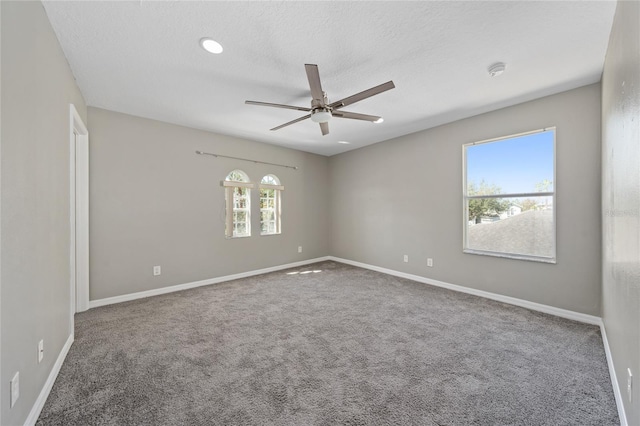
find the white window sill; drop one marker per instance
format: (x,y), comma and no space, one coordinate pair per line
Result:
(551,260)
(237,237)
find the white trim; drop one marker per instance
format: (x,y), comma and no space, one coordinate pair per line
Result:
(233,184)
(517,135)
(1,387)
(78,214)
(46,389)
(228,211)
(186,286)
(613,376)
(466,197)
(505,255)
(82,222)
(72,223)
(564,313)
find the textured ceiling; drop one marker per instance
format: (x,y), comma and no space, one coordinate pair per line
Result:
(143,58)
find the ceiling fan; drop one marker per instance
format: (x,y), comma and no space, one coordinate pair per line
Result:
(321,110)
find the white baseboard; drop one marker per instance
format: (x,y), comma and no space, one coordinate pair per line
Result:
(564,313)
(46,389)
(614,377)
(186,286)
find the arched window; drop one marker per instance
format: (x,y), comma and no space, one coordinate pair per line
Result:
(238,202)
(270,205)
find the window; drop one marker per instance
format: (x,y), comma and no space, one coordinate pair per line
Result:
(238,204)
(509,196)
(270,201)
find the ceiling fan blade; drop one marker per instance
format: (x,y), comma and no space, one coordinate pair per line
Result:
(363,95)
(355,116)
(314,82)
(325,128)
(292,122)
(277,105)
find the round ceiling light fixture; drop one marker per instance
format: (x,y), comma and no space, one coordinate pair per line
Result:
(210,45)
(497,69)
(344,142)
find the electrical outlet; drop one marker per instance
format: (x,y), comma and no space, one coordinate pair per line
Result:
(430,262)
(157,270)
(15,388)
(629,385)
(299,249)
(406,258)
(40,351)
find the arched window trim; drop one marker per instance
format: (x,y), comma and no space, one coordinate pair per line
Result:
(269,185)
(241,183)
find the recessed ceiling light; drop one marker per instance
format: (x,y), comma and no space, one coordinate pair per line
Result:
(210,45)
(497,69)
(344,142)
(379,120)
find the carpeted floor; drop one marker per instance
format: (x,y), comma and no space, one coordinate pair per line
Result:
(329,344)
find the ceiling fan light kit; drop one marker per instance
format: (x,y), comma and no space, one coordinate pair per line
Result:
(321,115)
(321,110)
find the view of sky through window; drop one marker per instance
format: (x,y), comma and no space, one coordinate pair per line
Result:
(515,165)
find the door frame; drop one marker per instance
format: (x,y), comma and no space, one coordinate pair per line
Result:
(78,213)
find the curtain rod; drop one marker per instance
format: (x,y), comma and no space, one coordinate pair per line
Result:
(246,159)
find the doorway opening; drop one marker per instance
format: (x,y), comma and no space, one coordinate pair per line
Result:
(78,213)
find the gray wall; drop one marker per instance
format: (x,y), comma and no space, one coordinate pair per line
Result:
(153,201)
(37,87)
(621,200)
(404,196)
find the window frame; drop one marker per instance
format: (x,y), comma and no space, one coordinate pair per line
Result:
(466,198)
(277,209)
(230,209)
